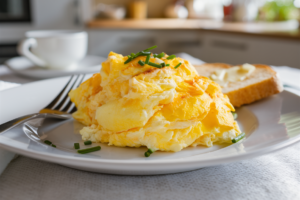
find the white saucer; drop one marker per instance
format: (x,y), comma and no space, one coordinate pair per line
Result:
(24,67)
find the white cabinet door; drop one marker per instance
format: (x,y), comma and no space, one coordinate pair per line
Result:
(208,46)
(101,42)
(237,49)
(177,41)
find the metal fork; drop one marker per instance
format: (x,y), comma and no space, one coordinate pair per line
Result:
(60,108)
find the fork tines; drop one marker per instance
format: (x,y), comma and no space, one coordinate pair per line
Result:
(62,102)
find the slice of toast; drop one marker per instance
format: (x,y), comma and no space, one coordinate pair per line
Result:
(263,82)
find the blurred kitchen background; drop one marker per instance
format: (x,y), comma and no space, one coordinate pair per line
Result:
(230,31)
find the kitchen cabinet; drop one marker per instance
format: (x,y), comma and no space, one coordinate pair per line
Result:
(234,49)
(210,46)
(128,41)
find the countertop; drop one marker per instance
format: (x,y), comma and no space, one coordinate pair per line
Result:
(283,30)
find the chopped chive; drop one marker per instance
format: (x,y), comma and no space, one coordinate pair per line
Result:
(128,60)
(150,48)
(238,138)
(154,65)
(141,53)
(145,53)
(89,150)
(167,65)
(235,115)
(48,142)
(155,55)
(88,142)
(76,146)
(161,55)
(54,145)
(171,57)
(177,66)
(149,152)
(163,64)
(133,56)
(141,63)
(138,54)
(147,59)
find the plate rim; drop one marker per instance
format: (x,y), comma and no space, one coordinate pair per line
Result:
(252,154)
(206,162)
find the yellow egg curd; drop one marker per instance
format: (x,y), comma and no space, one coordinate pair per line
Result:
(163,109)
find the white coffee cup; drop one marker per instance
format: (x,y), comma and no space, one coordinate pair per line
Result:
(55,49)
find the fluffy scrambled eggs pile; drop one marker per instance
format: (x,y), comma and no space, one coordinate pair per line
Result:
(163,109)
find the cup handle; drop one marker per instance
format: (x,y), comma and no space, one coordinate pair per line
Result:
(23,49)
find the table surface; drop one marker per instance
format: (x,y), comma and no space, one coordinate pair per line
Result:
(273,176)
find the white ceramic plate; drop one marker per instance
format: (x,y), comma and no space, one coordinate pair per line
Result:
(262,122)
(24,67)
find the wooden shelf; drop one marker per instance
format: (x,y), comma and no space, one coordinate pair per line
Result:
(145,24)
(287,29)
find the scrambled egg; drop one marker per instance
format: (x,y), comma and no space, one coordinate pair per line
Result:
(163,109)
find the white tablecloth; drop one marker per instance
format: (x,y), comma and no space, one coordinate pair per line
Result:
(274,176)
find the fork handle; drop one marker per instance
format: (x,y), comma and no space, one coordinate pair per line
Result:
(15,122)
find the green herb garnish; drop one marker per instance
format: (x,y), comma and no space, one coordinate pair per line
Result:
(128,60)
(150,48)
(235,115)
(89,150)
(161,55)
(133,55)
(141,53)
(53,145)
(76,146)
(142,63)
(171,57)
(167,65)
(145,53)
(154,65)
(48,142)
(238,138)
(149,152)
(88,142)
(177,66)
(147,59)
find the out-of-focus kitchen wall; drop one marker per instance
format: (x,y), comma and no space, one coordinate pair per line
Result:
(54,14)
(228,46)
(232,44)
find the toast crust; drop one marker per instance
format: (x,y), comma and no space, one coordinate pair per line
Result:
(249,93)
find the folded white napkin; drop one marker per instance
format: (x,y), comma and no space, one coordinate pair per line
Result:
(6,85)
(5,156)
